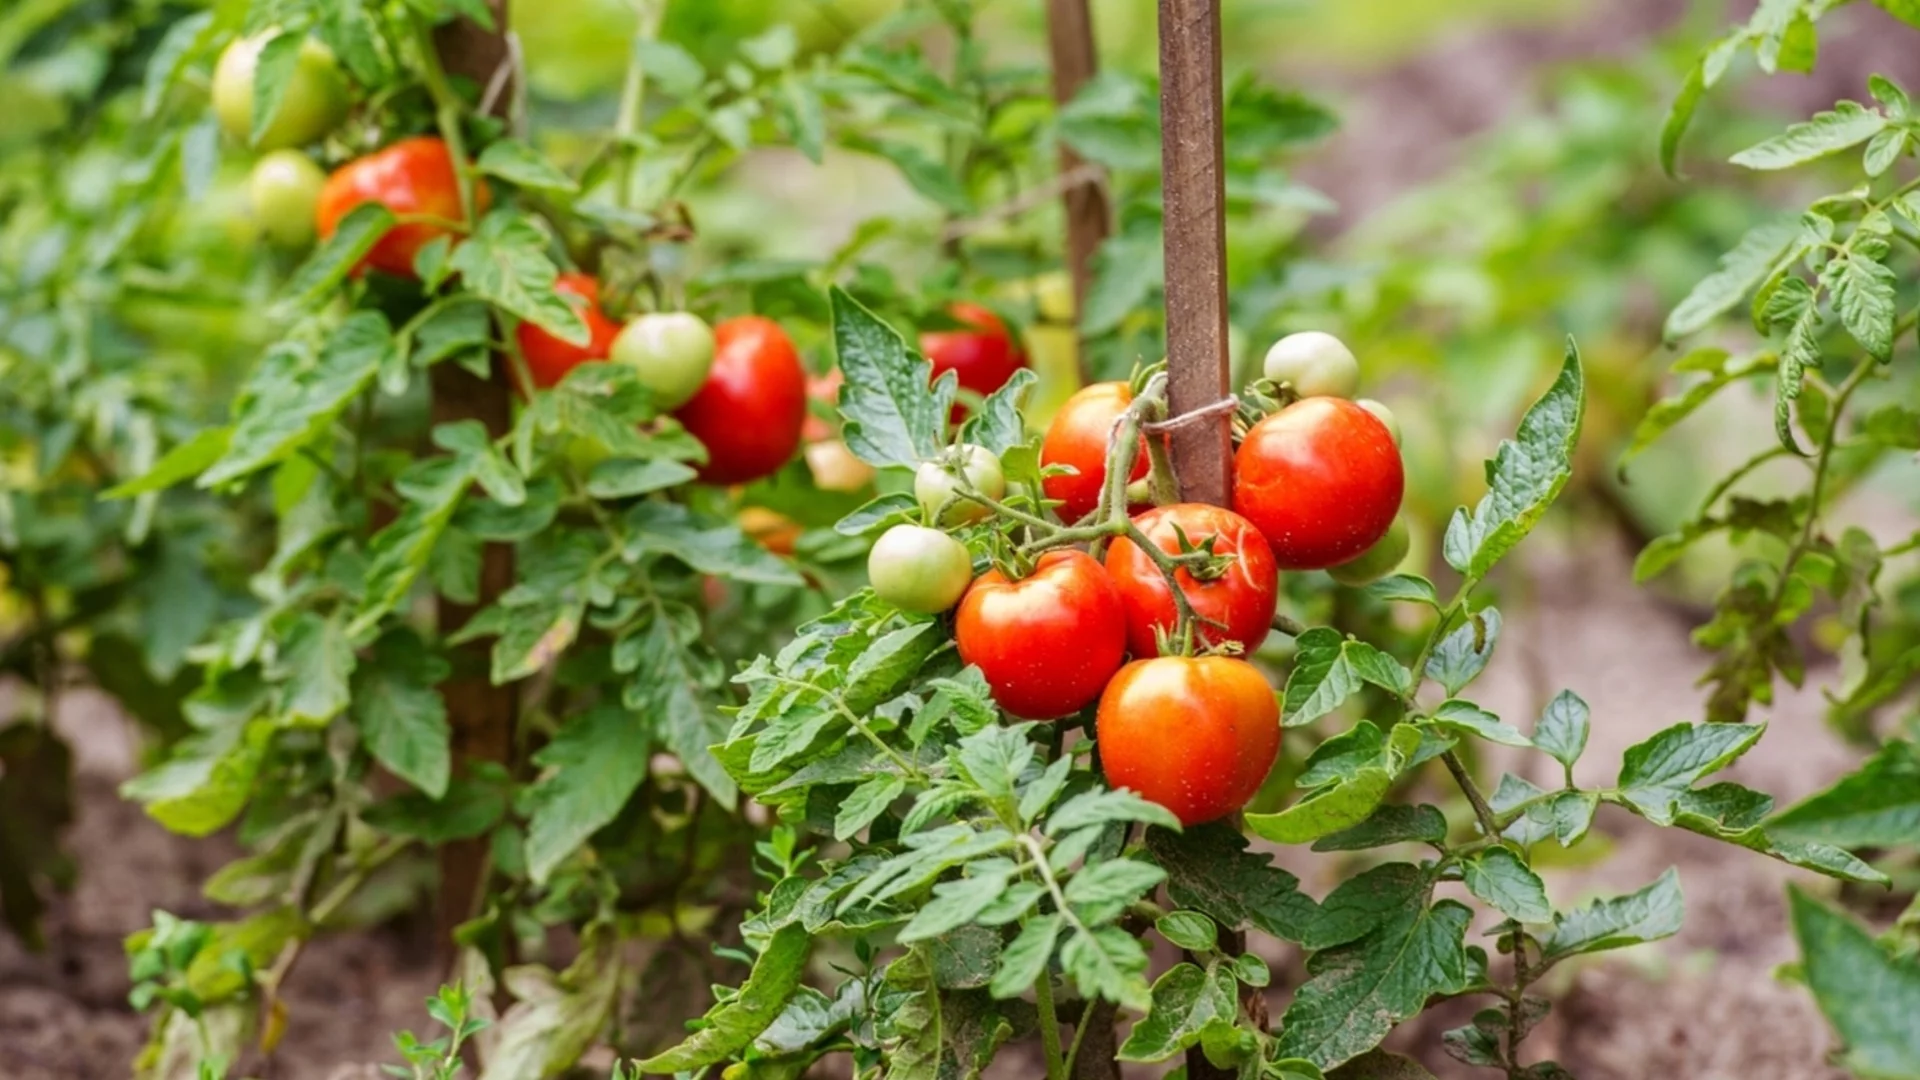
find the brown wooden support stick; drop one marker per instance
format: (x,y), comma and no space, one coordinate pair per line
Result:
(1070,35)
(1193,188)
(481,714)
(1196,244)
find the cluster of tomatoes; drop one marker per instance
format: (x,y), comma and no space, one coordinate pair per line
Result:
(1187,723)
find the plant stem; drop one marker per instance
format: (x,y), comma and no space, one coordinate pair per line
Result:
(633,97)
(1049,1026)
(1822,462)
(446,114)
(1465,779)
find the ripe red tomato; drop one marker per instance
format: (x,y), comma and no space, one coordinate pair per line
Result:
(750,410)
(412,177)
(548,357)
(1048,642)
(1197,735)
(1321,479)
(983,359)
(1078,437)
(1242,599)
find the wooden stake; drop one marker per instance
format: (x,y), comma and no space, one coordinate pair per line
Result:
(1194,192)
(481,714)
(1070,35)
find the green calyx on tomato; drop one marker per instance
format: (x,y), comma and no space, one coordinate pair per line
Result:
(1048,642)
(1233,589)
(1321,480)
(671,352)
(283,188)
(1196,734)
(313,104)
(918,569)
(937,484)
(1383,558)
(550,358)
(414,177)
(1313,364)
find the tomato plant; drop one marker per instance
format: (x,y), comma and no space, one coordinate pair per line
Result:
(749,411)
(414,178)
(1077,442)
(1233,594)
(1321,479)
(1045,643)
(549,358)
(1197,735)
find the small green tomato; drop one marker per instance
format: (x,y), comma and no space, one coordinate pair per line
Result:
(314,103)
(283,187)
(1384,415)
(938,489)
(1315,364)
(918,569)
(1383,558)
(672,351)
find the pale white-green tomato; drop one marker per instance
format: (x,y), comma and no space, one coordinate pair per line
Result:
(1384,415)
(918,569)
(314,103)
(1314,364)
(283,187)
(671,351)
(1383,558)
(938,489)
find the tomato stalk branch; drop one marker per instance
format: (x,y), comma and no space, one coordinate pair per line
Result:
(1451,759)
(446,114)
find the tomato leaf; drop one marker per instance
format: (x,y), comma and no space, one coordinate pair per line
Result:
(1498,877)
(1329,668)
(1186,1002)
(517,163)
(1656,772)
(296,407)
(272,72)
(1877,805)
(893,417)
(183,462)
(998,424)
(1650,914)
(1524,477)
(1562,730)
(1210,870)
(505,263)
(1869,994)
(1463,654)
(1356,993)
(399,711)
(1847,124)
(741,1019)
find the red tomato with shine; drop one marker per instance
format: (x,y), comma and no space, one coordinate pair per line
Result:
(983,359)
(1048,642)
(1197,735)
(1241,599)
(549,358)
(1321,479)
(412,177)
(753,404)
(1078,437)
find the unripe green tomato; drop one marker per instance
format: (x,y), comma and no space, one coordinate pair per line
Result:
(915,568)
(1383,558)
(1315,364)
(283,186)
(671,351)
(314,104)
(1384,415)
(939,490)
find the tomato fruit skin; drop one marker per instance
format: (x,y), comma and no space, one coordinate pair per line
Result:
(1242,599)
(750,410)
(1197,735)
(1383,414)
(413,176)
(1378,561)
(1048,642)
(550,358)
(1078,437)
(937,489)
(983,359)
(314,103)
(671,351)
(1321,480)
(283,187)
(835,468)
(918,569)
(1314,364)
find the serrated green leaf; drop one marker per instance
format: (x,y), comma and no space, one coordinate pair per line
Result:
(1669,411)
(1189,930)
(625,477)
(399,711)
(1210,870)
(706,544)
(297,410)
(1329,668)
(1498,877)
(272,72)
(1104,807)
(1111,881)
(1356,993)
(892,415)
(1328,810)
(1878,805)
(1468,718)
(183,462)
(1463,654)
(1562,730)
(314,664)
(1108,963)
(1186,1002)
(1390,824)
(591,768)
(1679,116)
(954,904)
(1847,124)
(1656,772)
(1524,478)
(1863,295)
(517,163)
(881,513)
(865,803)
(505,262)
(731,1026)
(206,781)
(1368,900)
(1869,995)
(1650,914)
(1039,794)
(352,238)
(1406,588)
(998,423)
(1025,958)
